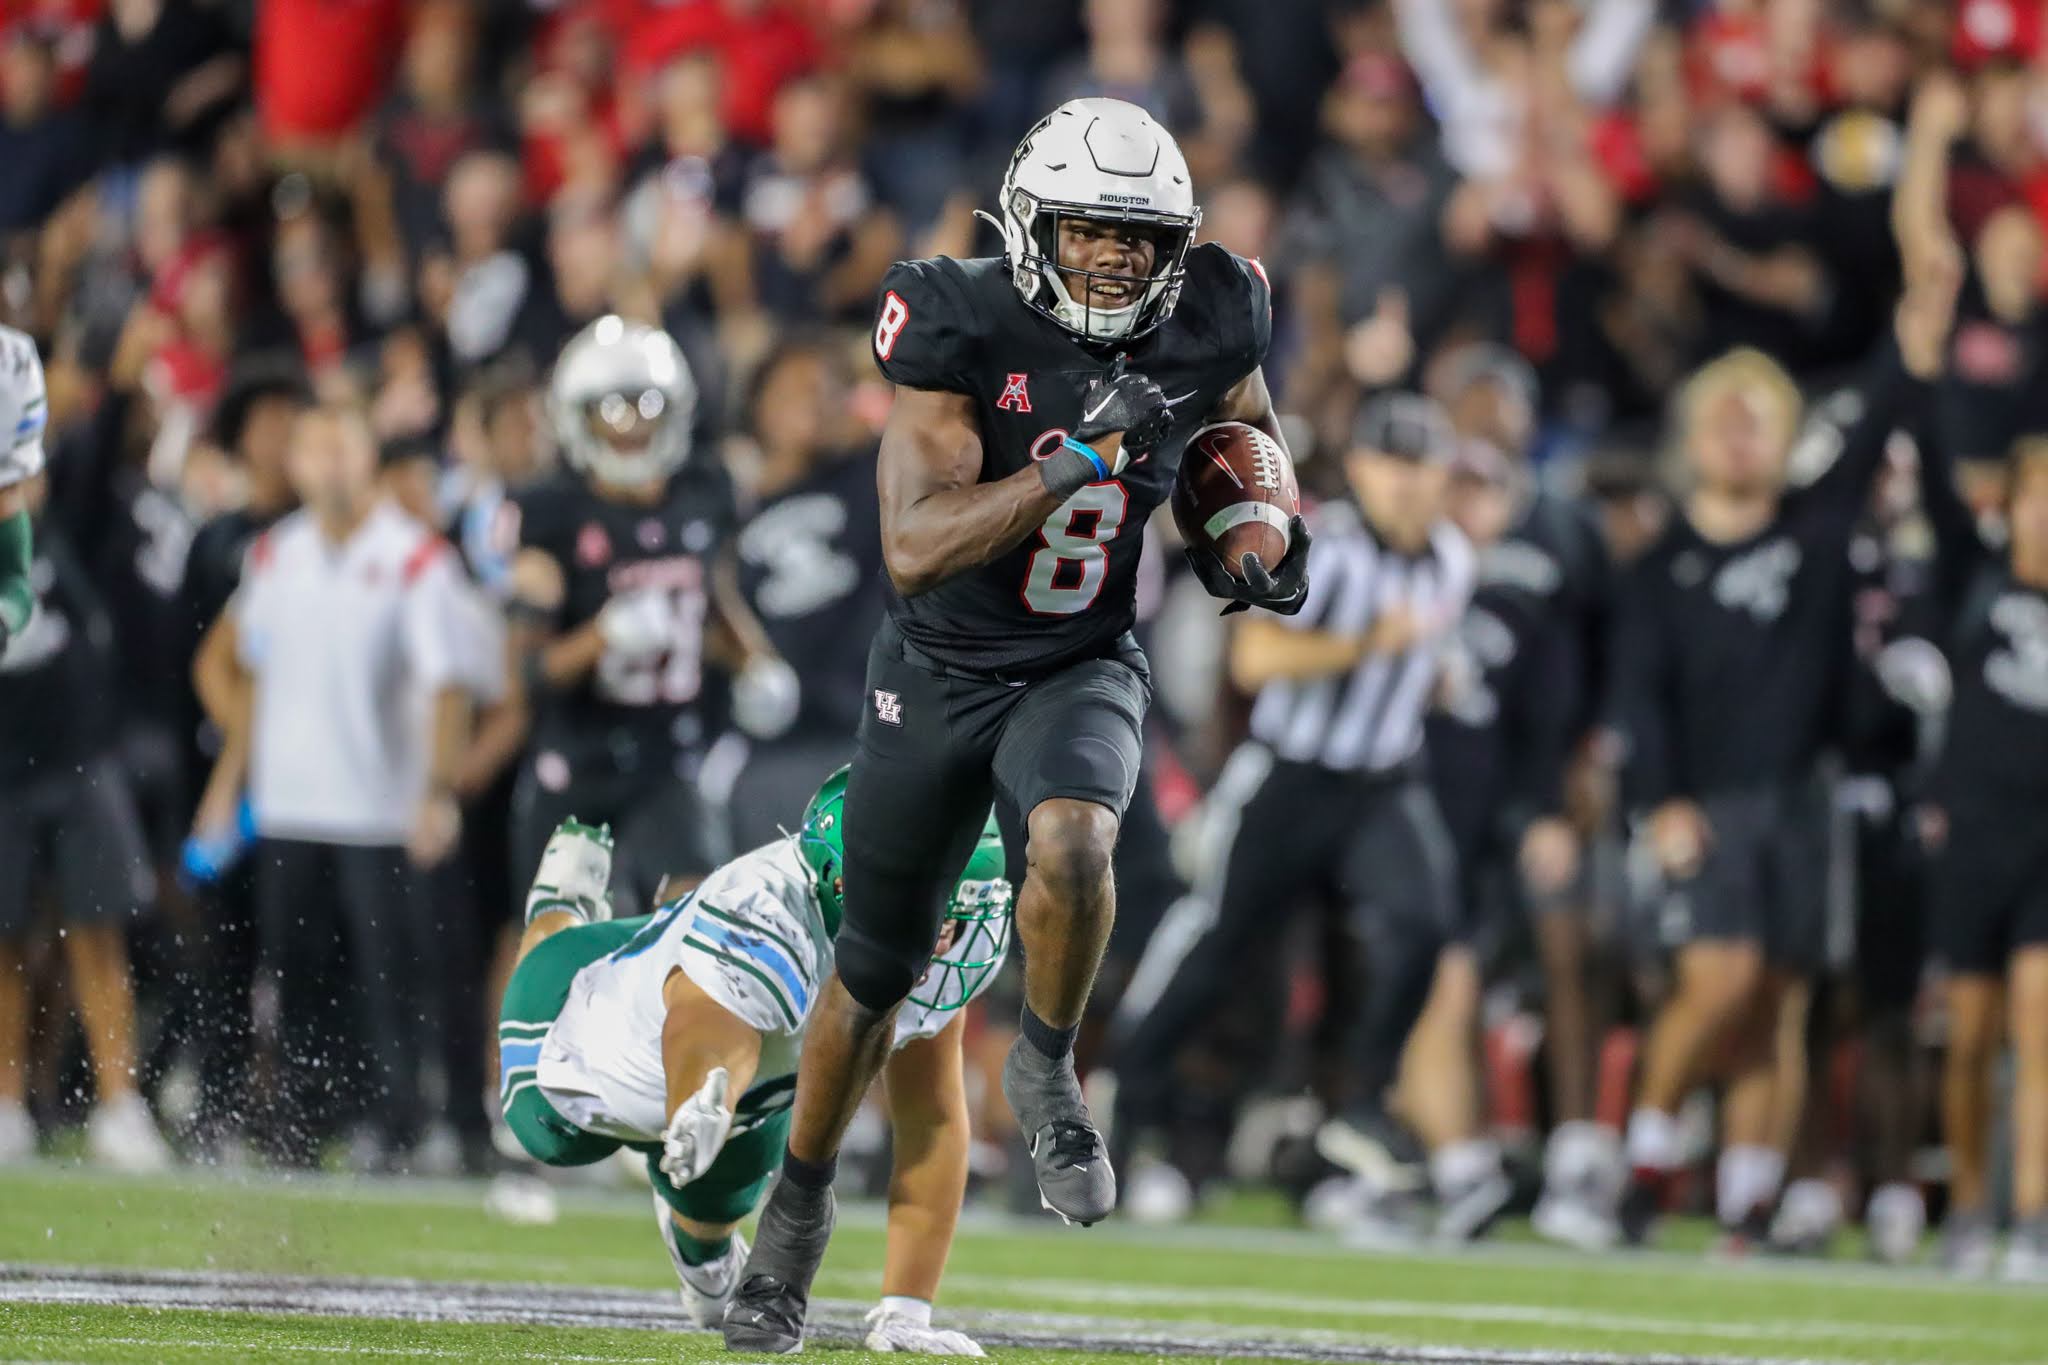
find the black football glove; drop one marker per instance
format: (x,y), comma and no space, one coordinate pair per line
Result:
(1124,401)
(1282,590)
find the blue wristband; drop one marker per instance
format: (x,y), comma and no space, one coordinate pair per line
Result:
(1101,469)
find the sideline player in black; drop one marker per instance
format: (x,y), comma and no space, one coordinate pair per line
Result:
(1726,663)
(621,596)
(1044,398)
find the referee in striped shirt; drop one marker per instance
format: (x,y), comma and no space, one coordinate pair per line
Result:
(1327,797)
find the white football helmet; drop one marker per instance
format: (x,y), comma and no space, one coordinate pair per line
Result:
(1104,160)
(24,408)
(621,402)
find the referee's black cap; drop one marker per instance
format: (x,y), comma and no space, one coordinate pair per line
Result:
(1408,426)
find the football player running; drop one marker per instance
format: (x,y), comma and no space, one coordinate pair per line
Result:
(24,412)
(676,1034)
(621,595)
(1044,397)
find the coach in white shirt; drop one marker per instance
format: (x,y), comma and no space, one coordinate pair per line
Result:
(348,613)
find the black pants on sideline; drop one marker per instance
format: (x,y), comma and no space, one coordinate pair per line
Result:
(340,928)
(1375,845)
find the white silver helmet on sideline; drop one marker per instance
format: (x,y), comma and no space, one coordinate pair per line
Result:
(1104,160)
(621,402)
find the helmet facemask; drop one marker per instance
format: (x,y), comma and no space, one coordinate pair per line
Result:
(1032,226)
(633,436)
(973,939)
(621,402)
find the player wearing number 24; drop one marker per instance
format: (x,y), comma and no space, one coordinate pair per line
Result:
(1011,529)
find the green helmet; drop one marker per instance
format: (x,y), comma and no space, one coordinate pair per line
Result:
(976,933)
(820,842)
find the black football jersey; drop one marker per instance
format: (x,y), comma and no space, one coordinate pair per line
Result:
(630,714)
(1067,592)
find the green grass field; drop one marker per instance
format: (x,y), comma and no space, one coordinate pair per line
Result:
(1235,1291)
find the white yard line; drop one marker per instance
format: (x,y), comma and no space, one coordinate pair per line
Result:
(416,1300)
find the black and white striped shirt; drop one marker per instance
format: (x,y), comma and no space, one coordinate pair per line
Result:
(1368,719)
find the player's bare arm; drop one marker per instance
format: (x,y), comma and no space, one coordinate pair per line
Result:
(929,1128)
(766,692)
(708,1059)
(538,590)
(937,521)
(927,1093)
(1251,402)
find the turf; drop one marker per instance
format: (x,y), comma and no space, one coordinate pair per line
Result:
(1207,1279)
(173,1336)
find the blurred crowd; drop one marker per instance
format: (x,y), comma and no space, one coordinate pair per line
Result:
(1548,214)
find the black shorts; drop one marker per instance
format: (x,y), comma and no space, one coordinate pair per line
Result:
(661,827)
(1764,879)
(82,826)
(1990,887)
(937,745)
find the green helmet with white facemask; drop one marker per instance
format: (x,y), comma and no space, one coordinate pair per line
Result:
(975,933)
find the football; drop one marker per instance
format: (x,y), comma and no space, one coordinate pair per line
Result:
(1235,494)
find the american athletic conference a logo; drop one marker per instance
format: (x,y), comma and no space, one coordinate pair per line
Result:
(1016,394)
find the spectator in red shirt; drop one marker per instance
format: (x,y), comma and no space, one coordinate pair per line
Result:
(320,65)
(761,46)
(570,114)
(67,26)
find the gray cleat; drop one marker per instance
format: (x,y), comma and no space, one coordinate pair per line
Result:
(1968,1244)
(767,1314)
(1074,1176)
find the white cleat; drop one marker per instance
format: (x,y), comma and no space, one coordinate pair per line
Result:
(121,1134)
(17,1133)
(522,1200)
(1571,1220)
(1159,1194)
(1467,1213)
(1895,1221)
(2026,1254)
(899,1334)
(696,1131)
(708,1288)
(575,874)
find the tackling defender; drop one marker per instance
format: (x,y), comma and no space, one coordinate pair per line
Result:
(1043,400)
(676,1034)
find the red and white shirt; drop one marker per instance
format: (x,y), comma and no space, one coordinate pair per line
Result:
(344,643)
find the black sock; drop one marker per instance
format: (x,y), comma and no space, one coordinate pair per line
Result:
(1055,1043)
(809,1175)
